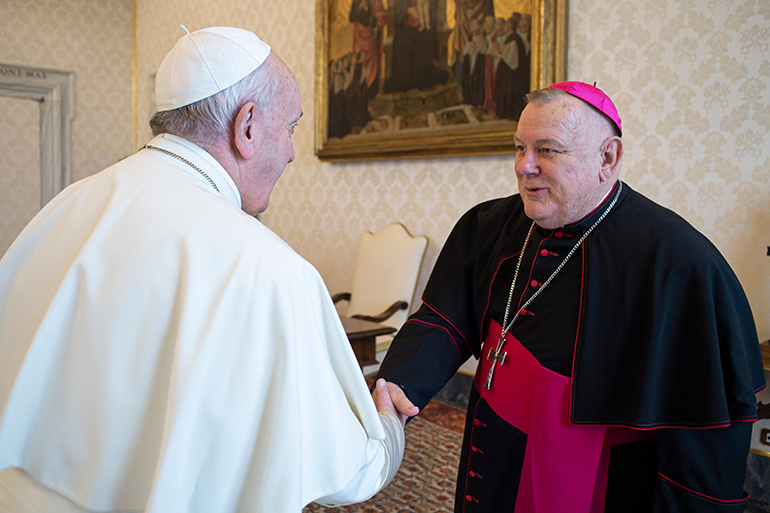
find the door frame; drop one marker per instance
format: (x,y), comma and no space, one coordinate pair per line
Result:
(54,90)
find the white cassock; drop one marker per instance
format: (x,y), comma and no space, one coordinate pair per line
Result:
(163,351)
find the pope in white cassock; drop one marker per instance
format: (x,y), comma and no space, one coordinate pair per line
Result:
(163,351)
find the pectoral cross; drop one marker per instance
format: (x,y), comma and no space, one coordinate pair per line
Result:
(497,356)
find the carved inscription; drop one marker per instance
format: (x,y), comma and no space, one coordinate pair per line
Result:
(9,71)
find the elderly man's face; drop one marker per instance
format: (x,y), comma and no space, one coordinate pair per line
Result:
(276,127)
(558,161)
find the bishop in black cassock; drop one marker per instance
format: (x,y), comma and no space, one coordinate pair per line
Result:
(645,327)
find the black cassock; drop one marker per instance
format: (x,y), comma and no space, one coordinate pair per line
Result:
(473,78)
(648,319)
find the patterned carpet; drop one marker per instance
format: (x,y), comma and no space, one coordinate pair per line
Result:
(425,482)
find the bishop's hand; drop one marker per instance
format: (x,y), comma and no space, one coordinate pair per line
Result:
(389,397)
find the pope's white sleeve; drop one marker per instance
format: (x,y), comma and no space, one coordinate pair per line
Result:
(383,457)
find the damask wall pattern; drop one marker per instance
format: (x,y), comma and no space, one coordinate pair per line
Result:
(93,39)
(691,79)
(19,167)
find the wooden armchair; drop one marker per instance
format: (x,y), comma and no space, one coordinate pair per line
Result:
(385,276)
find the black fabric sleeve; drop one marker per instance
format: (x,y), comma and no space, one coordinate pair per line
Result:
(444,332)
(702,470)
(424,356)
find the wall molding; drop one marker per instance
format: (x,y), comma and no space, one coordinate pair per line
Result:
(55,92)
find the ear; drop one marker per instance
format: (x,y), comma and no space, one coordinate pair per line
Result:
(245,136)
(611,153)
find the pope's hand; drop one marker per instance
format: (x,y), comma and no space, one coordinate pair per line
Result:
(389,397)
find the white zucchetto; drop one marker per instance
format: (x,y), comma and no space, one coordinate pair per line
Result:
(205,62)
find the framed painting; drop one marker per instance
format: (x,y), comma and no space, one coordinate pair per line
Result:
(430,78)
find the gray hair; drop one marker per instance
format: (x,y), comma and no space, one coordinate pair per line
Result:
(543,96)
(549,94)
(209,120)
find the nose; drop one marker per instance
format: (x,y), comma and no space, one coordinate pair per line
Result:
(291,155)
(525,164)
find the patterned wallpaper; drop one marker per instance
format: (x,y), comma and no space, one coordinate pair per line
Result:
(91,38)
(691,79)
(19,167)
(692,83)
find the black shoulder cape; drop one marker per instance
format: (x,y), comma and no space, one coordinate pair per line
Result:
(666,339)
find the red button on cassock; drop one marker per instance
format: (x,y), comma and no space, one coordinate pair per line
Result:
(543,252)
(534,283)
(523,312)
(558,235)
(476,422)
(472,473)
(468,498)
(474,448)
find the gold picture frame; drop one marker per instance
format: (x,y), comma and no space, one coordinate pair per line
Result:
(369,106)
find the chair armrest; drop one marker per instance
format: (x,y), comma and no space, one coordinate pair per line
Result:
(395,307)
(341,296)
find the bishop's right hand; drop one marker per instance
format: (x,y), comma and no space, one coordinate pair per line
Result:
(389,397)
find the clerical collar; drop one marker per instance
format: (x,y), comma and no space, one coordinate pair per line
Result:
(213,170)
(589,219)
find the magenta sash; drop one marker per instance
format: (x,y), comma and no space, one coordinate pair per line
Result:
(565,465)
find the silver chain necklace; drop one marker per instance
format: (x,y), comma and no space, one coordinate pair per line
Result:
(179,157)
(495,354)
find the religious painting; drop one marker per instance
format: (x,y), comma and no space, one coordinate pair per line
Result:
(426,78)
